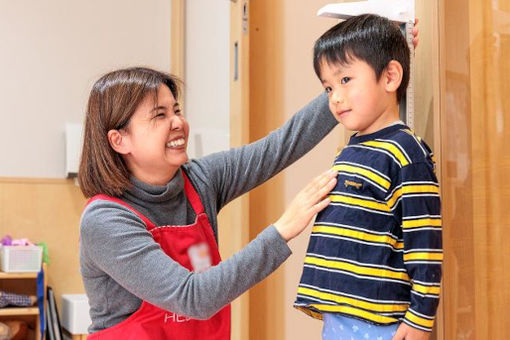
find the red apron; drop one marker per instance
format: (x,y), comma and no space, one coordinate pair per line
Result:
(178,242)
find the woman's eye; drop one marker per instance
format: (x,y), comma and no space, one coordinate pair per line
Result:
(345,80)
(160,115)
(177,112)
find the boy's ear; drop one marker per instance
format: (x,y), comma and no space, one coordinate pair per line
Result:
(118,142)
(392,76)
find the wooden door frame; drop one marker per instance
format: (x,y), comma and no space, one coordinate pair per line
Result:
(236,214)
(177,37)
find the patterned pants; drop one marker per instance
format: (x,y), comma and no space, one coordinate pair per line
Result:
(339,327)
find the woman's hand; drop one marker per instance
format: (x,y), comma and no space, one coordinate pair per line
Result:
(308,202)
(407,332)
(415,33)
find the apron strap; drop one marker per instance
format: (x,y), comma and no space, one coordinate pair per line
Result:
(192,195)
(189,190)
(149,225)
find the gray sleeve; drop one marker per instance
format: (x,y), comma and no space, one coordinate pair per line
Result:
(235,172)
(114,240)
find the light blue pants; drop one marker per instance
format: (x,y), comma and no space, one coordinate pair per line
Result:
(339,327)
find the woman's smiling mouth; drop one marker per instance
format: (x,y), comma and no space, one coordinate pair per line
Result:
(176,143)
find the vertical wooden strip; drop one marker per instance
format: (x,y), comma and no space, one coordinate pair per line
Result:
(178,44)
(433,131)
(177,34)
(457,190)
(266,114)
(234,218)
(477,51)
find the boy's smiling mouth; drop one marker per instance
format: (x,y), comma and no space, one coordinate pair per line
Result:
(342,112)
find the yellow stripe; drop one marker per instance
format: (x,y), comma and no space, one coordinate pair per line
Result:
(359,235)
(376,272)
(360,202)
(391,148)
(415,189)
(374,307)
(364,172)
(419,321)
(423,256)
(411,189)
(422,222)
(426,289)
(381,319)
(396,195)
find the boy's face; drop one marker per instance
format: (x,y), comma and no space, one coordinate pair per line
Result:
(356,98)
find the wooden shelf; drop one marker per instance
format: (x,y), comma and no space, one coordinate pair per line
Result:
(28,275)
(13,311)
(25,284)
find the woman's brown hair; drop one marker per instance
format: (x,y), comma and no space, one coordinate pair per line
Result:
(112,102)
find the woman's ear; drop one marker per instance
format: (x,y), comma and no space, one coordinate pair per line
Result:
(393,76)
(118,142)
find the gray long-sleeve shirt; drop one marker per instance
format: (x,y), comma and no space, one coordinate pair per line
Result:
(122,265)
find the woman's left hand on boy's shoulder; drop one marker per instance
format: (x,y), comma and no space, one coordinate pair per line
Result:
(406,332)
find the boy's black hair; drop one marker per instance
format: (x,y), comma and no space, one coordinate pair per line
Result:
(368,37)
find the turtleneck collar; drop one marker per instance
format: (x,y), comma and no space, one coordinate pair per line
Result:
(155,193)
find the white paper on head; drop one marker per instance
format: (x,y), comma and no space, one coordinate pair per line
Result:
(395,10)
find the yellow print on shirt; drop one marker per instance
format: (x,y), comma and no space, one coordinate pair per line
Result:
(357,185)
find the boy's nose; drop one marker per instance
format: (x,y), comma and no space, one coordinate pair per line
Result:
(336,97)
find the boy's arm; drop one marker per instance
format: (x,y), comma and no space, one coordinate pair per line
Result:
(423,255)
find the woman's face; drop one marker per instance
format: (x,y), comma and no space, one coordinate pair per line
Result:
(156,139)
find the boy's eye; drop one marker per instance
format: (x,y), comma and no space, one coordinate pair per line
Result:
(327,89)
(345,80)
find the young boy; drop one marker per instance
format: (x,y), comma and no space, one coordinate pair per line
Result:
(373,264)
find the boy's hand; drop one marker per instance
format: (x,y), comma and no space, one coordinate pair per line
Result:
(407,332)
(308,202)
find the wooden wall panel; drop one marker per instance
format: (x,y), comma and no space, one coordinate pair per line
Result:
(476,161)
(47,211)
(266,202)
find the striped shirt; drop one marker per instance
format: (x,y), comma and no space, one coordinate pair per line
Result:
(375,252)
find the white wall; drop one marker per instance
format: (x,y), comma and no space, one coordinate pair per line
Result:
(51,53)
(207,72)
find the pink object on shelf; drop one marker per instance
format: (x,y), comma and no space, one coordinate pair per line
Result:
(21,242)
(8,241)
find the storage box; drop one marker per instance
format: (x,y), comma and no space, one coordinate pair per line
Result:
(16,259)
(75,313)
